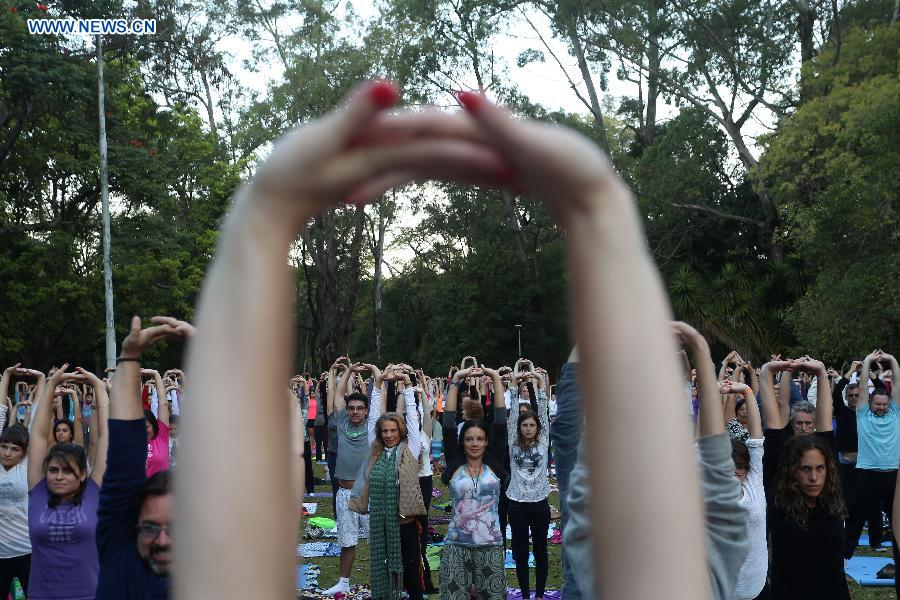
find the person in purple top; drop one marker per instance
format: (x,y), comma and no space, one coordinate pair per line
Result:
(62,502)
(134,535)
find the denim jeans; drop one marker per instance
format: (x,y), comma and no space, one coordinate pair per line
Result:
(565,433)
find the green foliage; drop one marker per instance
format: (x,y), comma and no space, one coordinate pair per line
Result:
(182,134)
(835,167)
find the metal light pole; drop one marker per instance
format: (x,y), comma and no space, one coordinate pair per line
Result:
(104,196)
(519,329)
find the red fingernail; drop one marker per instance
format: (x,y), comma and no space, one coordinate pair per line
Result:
(383,94)
(470,101)
(507,173)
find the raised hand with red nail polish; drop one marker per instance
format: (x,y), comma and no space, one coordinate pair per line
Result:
(344,158)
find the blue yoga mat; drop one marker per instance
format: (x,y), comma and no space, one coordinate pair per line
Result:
(864,568)
(301,576)
(511,564)
(864,541)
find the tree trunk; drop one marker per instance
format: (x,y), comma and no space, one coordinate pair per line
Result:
(379,257)
(515,228)
(588,82)
(653,63)
(806,19)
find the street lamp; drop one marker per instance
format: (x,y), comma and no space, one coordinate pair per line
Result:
(519,329)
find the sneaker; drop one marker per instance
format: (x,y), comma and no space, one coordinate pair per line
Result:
(338,588)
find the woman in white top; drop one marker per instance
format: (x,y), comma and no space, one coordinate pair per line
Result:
(529,485)
(748,469)
(15,545)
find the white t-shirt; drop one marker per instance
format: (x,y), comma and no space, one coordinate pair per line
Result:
(14,540)
(425,469)
(753,573)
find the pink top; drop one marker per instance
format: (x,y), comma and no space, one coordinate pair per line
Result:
(158,451)
(313,407)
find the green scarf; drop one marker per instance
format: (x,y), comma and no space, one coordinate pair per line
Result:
(384,528)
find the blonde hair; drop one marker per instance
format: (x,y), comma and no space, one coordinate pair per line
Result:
(378,444)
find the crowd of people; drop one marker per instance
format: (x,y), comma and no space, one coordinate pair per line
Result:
(85,483)
(788,461)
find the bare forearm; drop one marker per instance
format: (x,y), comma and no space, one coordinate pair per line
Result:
(824,409)
(612,324)
(753,417)
(236,333)
(771,408)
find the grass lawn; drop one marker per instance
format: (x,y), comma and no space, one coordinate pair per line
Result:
(328,575)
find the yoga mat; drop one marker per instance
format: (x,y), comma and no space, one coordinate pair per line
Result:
(511,564)
(317,549)
(311,507)
(438,520)
(864,541)
(307,576)
(433,554)
(323,523)
(863,569)
(516,594)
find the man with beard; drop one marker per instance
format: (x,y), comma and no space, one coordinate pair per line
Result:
(135,516)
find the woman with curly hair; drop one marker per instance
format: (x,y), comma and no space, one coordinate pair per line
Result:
(807,509)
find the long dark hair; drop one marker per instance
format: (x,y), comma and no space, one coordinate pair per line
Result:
(520,441)
(15,434)
(74,456)
(154,424)
(68,424)
(790,499)
(488,458)
(740,454)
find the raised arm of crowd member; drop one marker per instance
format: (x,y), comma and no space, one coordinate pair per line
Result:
(136,512)
(824,412)
(4,389)
(751,379)
(330,385)
(408,407)
(726,521)
(77,423)
(450,406)
(754,421)
(100,430)
(162,408)
(41,432)
(775,410)
(377,398)
(726,371)
(340,390)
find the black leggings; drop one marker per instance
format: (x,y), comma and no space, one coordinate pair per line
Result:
(412,560)
(522,517)
(321,436)
(427,484)
(308,469)
(16,567)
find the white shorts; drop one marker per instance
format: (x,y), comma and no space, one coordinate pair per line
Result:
(350,525)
